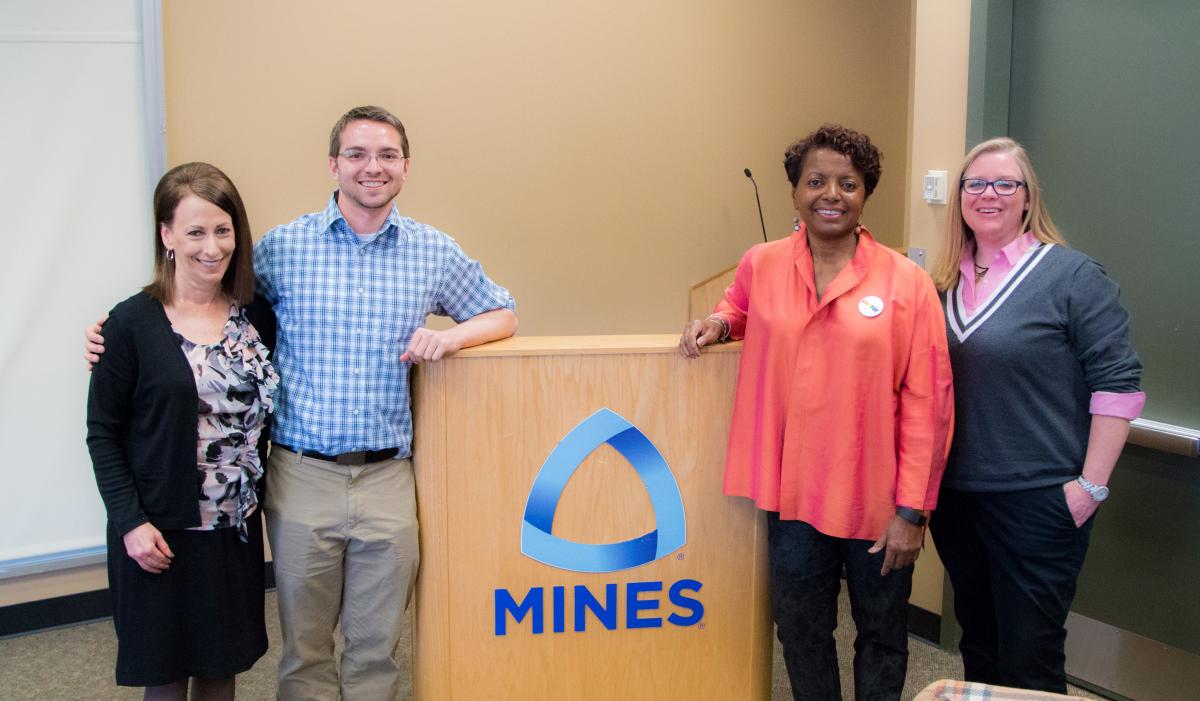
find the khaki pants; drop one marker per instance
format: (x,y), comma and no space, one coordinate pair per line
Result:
(344,542)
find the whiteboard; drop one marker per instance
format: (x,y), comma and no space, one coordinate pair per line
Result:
(77,239)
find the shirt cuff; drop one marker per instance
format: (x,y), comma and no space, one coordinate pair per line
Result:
(1126,405)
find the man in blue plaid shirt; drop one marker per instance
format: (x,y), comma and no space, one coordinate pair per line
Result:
(351,287)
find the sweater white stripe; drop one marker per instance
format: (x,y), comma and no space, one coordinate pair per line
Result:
(982,313)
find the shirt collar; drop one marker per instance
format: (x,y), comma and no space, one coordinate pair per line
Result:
(1012,252)
(332,215)
(1017,248)
(845,280)
(862,252)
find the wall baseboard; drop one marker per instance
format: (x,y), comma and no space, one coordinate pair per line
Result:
(73,609)
(1115,662)
(926,625)
(52,613)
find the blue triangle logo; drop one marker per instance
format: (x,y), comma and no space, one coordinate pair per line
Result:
(604,426)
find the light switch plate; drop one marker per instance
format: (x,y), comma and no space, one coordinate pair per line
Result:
(935,187)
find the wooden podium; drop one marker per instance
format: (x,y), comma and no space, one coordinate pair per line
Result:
(486,421)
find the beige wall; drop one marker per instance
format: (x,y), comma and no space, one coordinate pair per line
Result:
(937,112)
(938,123)
(590,154)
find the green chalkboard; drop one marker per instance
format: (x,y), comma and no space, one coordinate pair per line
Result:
(1105,95)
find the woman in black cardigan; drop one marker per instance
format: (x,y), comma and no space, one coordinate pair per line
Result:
(177,414)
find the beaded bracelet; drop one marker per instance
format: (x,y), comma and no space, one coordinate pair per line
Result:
(724,326)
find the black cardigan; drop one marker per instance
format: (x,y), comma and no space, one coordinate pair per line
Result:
(143,415)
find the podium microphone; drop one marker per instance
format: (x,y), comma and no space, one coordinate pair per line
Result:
(759,202)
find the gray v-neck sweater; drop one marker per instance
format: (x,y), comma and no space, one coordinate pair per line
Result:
(1025,366)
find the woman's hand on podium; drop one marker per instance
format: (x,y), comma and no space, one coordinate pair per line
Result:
(699,333)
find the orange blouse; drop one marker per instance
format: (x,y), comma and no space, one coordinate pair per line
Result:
(844,406)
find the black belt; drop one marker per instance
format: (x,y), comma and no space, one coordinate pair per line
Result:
(360,457)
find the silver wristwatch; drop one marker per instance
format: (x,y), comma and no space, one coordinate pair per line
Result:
(1097,492)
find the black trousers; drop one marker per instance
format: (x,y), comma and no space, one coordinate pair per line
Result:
(806,570)
(1013,558)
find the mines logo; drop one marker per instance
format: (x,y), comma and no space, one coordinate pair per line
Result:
(642,599)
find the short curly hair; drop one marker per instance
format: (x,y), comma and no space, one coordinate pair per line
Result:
(863,154)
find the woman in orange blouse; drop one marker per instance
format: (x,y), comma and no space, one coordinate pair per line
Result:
(841,417)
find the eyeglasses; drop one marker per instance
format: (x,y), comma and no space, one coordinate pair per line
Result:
(977,186)
(360,157)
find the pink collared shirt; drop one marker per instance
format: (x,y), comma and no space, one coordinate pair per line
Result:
(1121,405)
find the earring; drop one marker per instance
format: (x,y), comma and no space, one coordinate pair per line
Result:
(795,223)
(171,255)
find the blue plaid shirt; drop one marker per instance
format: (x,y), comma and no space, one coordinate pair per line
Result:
(346,312)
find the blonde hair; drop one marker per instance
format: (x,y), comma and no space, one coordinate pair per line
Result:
(1037,218)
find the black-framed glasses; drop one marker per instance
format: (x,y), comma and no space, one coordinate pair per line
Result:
(977,186)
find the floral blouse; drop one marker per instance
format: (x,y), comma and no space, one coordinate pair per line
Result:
(235,383)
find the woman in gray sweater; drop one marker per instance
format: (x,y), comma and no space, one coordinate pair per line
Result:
(1045,385)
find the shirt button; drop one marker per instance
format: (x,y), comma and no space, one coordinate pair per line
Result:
(362,290)
(355,371)
(356,412)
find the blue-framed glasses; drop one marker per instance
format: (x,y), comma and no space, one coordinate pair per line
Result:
(977,186)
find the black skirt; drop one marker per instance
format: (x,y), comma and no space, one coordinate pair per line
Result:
(202,617)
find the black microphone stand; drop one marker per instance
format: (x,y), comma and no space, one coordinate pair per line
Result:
(758,202)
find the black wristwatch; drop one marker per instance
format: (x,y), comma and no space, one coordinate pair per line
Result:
(914,516)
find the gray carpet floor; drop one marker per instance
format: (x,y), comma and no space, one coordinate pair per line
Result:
(77,663)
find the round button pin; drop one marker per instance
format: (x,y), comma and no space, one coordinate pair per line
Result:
(870,306)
